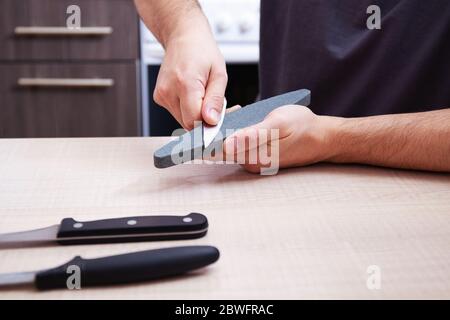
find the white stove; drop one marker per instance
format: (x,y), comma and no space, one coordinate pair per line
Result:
(235,24)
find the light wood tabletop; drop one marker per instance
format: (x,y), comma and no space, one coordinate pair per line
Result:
(305,233)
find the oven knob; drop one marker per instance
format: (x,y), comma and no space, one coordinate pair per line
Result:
(223,24)
(245,24)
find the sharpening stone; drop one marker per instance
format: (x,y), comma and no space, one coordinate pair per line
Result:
(189,146)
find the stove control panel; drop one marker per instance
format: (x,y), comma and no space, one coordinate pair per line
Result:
(235,25)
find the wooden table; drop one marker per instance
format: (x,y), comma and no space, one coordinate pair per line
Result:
(306,233)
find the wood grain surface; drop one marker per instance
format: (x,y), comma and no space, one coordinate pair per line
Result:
(69,111)
(305,233)
(118,15)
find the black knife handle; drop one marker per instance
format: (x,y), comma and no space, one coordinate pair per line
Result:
(142,228)
(128,268)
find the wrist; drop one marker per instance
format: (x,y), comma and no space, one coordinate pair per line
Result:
(331,146)
(188,30)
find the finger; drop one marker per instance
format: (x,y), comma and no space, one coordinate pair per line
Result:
(191,98)
(258,134)
(252,168)
(240,147)
(172,105)
(249,159)
(214,97)
(253,162)
(161,93)
(165,97)
(233,108)
(175,110)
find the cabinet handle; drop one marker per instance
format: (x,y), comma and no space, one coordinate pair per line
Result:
(65,82)
(62,31)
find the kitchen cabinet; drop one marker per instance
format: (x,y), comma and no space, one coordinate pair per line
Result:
(81,100)
(57,81)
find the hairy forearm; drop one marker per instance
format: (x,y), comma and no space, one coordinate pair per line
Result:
(411,141)
(168,19)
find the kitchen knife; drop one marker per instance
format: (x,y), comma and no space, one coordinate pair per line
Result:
(141,228)
(210,132)
(119,269)
(190,145)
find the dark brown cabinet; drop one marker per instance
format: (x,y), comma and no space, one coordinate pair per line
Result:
(68,100)
(60,82)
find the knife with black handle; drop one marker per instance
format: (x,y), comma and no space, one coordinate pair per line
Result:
(119,269)
(140,228)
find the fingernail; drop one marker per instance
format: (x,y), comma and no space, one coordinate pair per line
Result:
(213,115)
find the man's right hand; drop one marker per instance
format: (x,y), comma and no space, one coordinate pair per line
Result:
(192,79)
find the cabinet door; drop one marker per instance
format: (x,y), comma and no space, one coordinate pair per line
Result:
(68,100)
(37,30)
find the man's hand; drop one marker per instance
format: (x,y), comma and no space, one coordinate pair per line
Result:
(410,141)
(302,139)
(192,79)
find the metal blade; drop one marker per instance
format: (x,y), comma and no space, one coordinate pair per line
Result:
(210,132)
(47,234)
(17,279)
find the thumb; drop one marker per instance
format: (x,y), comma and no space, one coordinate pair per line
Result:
(214,95)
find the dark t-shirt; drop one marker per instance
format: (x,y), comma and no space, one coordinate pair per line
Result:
(325,46)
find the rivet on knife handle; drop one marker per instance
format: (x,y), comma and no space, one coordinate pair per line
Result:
(140,228)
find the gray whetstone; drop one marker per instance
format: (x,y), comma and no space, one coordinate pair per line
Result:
(190,145)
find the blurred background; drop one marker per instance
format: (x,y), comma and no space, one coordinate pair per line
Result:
(98,80)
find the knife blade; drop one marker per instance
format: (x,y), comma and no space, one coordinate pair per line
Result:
(190,145)
(139,228)
(210,132)
(119,269)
